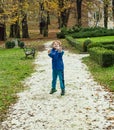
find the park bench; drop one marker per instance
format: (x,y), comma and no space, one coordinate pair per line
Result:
(29,51)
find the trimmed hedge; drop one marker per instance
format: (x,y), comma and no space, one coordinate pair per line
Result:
(75,43)
(102,56)
(83,47)
(85,44)
(95,33)
(21,44)
(107,45)
(14,43)
(9,44)
(95,44)
(82,32)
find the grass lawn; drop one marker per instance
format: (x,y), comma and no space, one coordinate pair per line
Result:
(14,68)
(104,76)
(98,39)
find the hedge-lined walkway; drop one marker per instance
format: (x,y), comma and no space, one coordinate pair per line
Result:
(86,105)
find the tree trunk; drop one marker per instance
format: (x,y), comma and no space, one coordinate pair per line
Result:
(79,12)
(15,30)
(105,15)
(64,15)
(48,18)
(113,10)
(46,26)
(45,34)
(2,32)
(25,33)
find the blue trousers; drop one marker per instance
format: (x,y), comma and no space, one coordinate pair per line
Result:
(60,74)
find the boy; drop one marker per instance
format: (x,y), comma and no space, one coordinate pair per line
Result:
(56,54)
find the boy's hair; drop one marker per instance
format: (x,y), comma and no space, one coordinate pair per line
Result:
(57,42)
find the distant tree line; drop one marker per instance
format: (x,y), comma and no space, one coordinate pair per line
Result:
(14,14)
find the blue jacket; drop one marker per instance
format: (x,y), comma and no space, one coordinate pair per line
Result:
(57,61)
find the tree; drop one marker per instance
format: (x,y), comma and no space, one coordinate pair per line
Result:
(79,12)
(2,32)
(23,10)
(18,12)
(59,8)
(14,27)
(106,3)
(64,12)
(25,33)
(113,10)
(15,30)
(15,14)
(44,17)
(2,26)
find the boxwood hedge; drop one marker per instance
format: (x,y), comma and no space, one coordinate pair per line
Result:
(78,45)
(102,56)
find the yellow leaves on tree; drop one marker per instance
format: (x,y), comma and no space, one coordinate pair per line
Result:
(13,10)
(53,6)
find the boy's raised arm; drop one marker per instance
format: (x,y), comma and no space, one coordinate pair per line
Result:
(49,53)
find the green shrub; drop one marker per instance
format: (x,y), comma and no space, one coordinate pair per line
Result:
(101,44)
(75,43)
(85,44)
(109,46)
(60,35)
(86,34)
(21,44)
(71,40)
(63,32)
(76,29)
(9,44)
(95,44)
(102,56)
(107,43)
(79,32)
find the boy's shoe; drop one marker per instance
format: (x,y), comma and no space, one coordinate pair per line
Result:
(62,92)
(53,91)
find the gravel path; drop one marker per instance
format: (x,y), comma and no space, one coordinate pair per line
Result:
(86,105)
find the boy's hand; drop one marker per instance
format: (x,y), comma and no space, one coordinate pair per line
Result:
(49,51)
(60,49)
